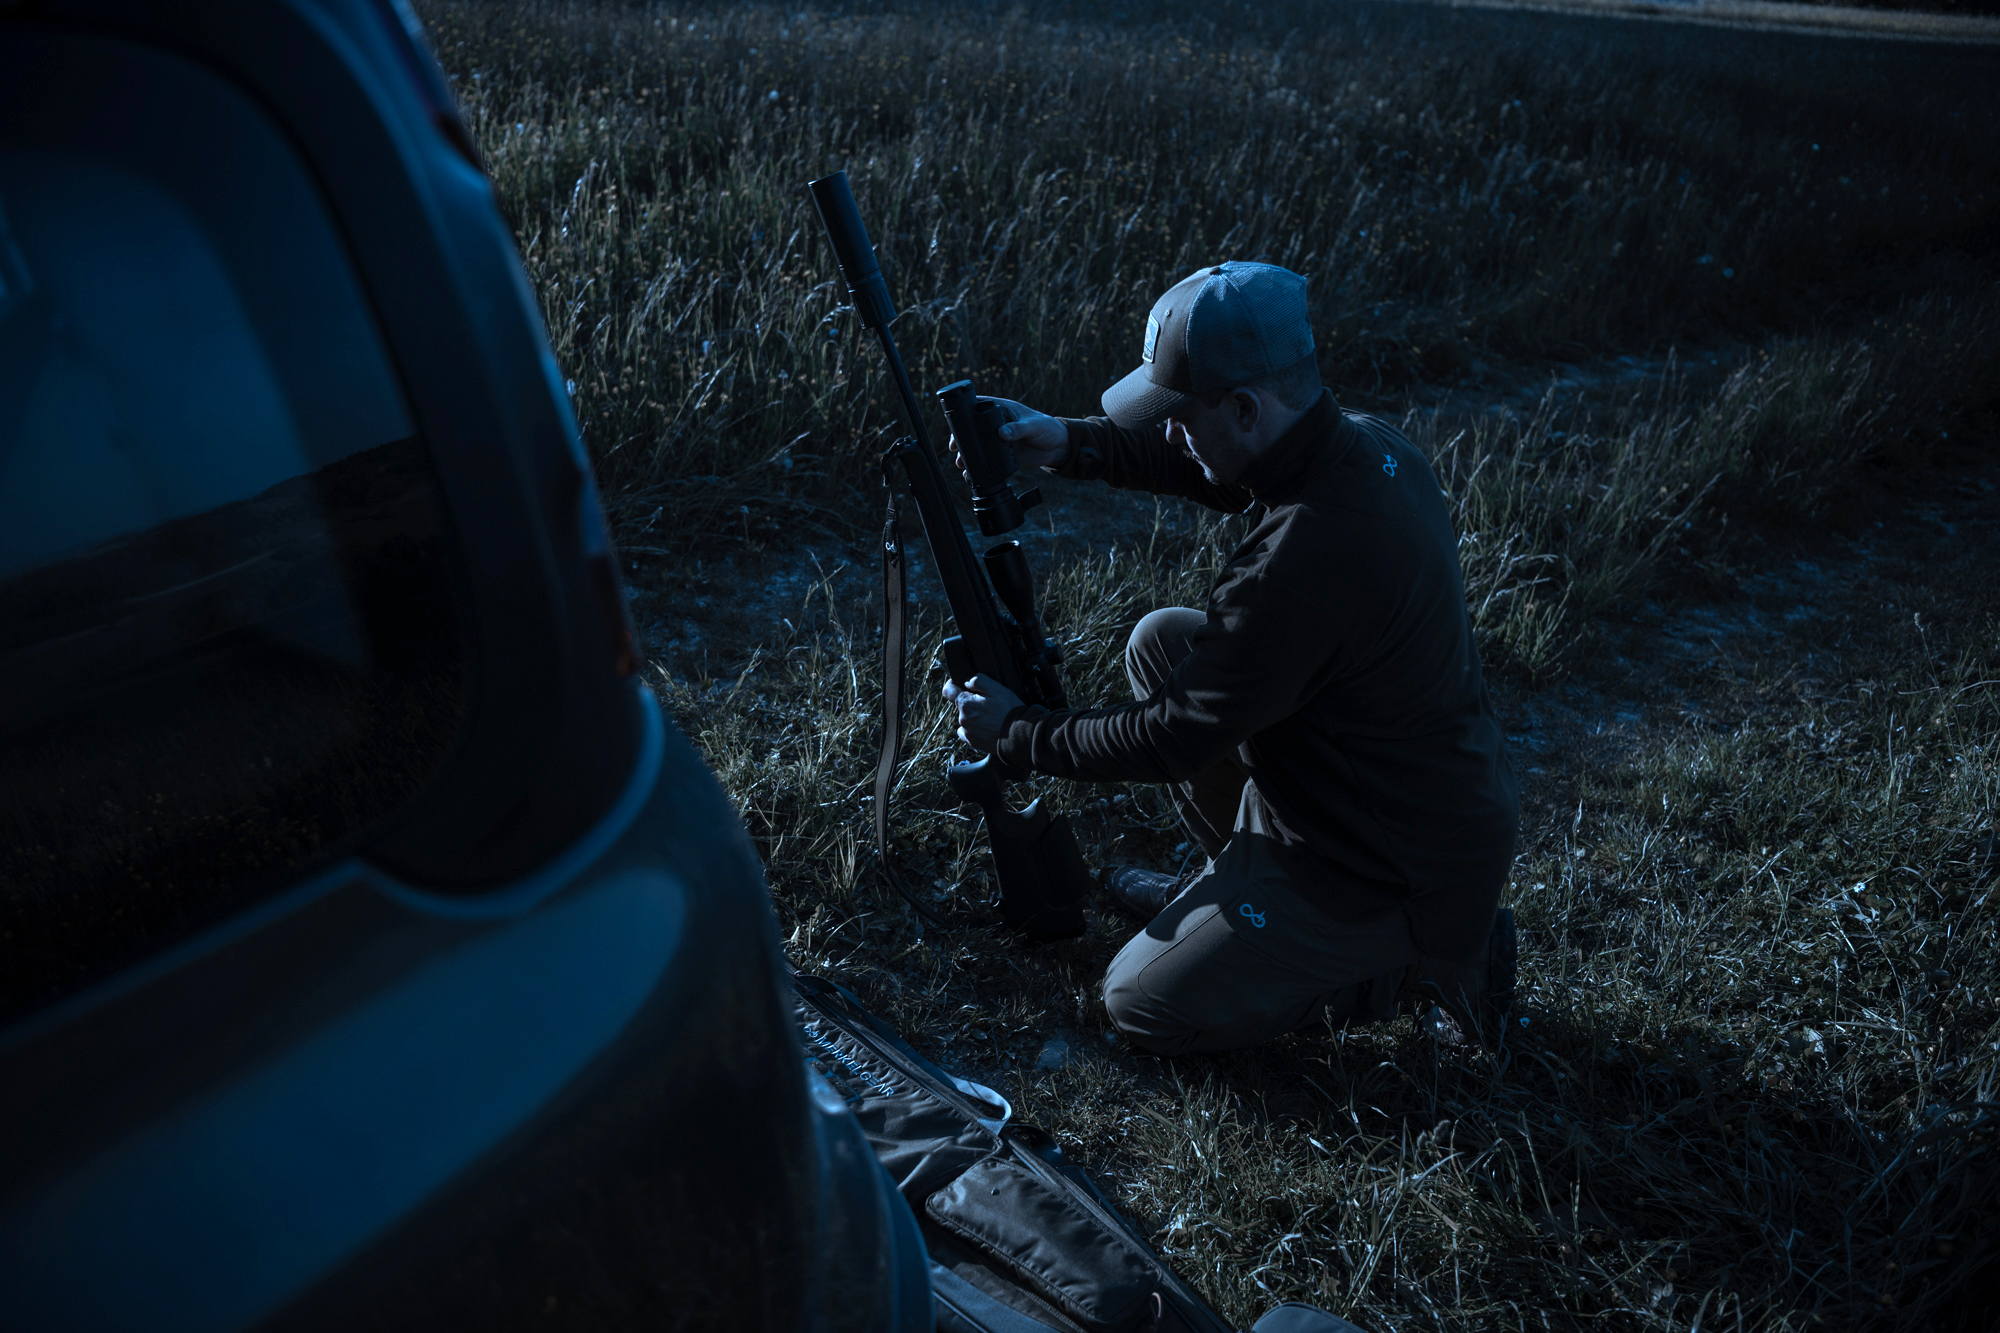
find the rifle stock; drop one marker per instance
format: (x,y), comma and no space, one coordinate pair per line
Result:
(1041,874)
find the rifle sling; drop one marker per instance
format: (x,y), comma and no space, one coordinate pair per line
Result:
(895,634)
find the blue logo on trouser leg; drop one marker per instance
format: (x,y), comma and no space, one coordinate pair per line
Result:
(1256,917)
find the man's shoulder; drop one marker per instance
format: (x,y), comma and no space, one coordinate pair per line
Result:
(1378,503)
(1379,472)
(1373,475)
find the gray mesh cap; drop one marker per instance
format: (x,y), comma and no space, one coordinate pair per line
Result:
(1215,329)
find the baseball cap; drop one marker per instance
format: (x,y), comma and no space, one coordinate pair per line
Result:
(1214,329)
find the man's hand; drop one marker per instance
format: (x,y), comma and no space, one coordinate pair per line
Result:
(983,704)
(1039,439)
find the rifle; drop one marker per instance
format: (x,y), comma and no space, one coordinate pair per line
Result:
(1041,874)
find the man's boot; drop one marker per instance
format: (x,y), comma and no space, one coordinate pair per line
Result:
(1143,894)
(1464,1003)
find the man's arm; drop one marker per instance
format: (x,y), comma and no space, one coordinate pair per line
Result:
(1262,654)
(1142,460)
(1094,449)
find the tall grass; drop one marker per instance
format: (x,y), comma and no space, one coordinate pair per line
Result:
(1454,192)
(1564,511)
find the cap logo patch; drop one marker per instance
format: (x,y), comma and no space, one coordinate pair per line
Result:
(1152,337)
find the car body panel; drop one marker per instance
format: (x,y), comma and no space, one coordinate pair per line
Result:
(524,1053)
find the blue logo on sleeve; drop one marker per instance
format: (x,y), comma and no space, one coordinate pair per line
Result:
(1256,917)
(1389,464)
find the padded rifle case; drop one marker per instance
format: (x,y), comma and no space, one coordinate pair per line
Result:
(1020,1240)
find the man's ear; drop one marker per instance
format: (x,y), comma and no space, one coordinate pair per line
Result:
(1245,409)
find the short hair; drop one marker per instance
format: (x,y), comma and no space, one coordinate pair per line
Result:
(1297,386)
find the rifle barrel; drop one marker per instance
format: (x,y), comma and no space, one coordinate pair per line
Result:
(867,290)
(983,632)
(852,250)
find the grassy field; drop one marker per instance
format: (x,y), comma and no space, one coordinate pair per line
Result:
(1756,1090)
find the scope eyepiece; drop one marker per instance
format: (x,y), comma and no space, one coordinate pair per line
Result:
(989,460)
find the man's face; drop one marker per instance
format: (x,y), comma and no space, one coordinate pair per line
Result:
(1214,437)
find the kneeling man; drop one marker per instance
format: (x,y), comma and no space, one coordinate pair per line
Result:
(1322,721)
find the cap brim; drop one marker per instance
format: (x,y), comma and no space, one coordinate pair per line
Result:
(1135,402)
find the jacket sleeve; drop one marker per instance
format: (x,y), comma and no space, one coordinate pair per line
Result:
(1142,460)
(1263,653)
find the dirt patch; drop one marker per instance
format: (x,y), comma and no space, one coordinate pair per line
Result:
(1792,612)
(1886,22)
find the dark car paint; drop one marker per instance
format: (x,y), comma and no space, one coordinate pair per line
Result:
(255,1123)
(184,1119)
(353,1104)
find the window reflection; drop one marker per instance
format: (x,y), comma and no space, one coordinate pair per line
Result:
(228,643)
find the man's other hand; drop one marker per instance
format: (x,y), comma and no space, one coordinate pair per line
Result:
(1038,439)
(983,704)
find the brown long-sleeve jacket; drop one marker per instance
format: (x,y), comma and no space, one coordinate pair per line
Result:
(1337,666)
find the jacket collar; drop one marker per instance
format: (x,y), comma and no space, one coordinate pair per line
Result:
(1300,454)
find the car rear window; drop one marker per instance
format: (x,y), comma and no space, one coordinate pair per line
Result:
(228,636)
